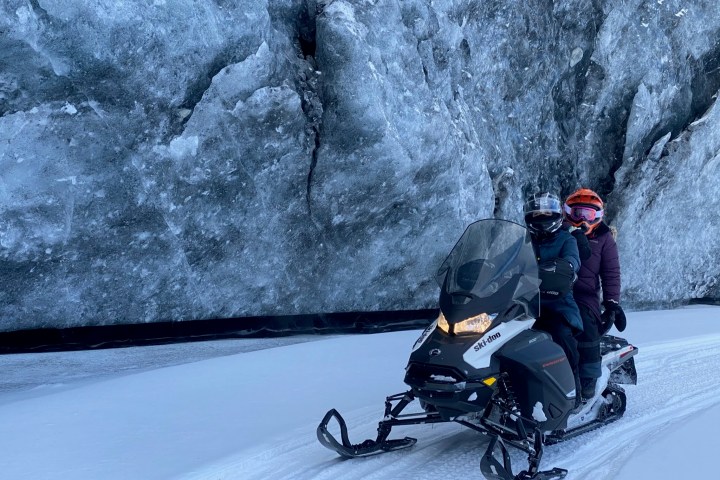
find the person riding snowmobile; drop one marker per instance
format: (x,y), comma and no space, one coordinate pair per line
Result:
(584,209)
(556,251)
(482,365)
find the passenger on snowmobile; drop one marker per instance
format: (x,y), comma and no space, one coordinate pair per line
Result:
(558,259)
(601,271)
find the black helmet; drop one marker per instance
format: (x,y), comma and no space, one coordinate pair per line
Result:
(543,214)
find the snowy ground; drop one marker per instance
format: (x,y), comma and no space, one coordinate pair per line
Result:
(248,409)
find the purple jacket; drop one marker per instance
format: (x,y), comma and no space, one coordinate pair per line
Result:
(602,268)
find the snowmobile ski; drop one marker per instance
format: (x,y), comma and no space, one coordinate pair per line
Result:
(381,444)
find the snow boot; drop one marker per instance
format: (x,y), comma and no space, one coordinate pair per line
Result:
(587,389)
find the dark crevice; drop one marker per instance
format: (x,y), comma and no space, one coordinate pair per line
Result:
(615,136)
(307,42)
(707,300)
(309,85)
(40,11)
(701,95)
(702,90)
(313,163)
(705,83)
(578,84)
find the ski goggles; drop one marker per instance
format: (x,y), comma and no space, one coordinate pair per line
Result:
(583,214)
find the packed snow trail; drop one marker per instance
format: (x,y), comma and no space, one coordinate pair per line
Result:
(253,415)
(675,382)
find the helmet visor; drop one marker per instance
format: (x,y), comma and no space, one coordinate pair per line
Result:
(583,214)
(542,206)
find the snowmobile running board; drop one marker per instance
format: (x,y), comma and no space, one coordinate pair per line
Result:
(614,412)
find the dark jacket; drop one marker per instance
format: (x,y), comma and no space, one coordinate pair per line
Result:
(602,268)
(562,244)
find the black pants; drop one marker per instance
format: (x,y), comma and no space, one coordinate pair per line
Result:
(590,362)
(562,334)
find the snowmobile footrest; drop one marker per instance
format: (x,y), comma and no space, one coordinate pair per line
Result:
(610,414)
(349,450)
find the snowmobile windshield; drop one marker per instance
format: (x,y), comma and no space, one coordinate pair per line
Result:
(490,255)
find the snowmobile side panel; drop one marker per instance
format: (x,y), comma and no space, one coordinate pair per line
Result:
(479,354)
(541,378)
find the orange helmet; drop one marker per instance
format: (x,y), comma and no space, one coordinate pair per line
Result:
(584,208)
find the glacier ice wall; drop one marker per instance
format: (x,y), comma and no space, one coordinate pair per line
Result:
(202,159)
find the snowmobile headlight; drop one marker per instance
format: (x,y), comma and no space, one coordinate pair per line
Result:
(477,324)
(443,324)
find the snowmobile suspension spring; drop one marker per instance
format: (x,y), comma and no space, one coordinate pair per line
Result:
(513,410)
(508,394)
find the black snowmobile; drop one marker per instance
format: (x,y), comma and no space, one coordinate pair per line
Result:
(481,364)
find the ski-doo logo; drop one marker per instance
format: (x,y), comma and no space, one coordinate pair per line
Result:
(486,341)
(479,354)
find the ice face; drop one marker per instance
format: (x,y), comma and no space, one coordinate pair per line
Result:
(177,160)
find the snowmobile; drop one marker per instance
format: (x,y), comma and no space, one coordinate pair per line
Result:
(482,365)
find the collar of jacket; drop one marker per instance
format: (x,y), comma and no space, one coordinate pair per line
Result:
(599,230)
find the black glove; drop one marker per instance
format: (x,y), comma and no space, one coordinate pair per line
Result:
(582,242)
(613,314)
(556,278)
